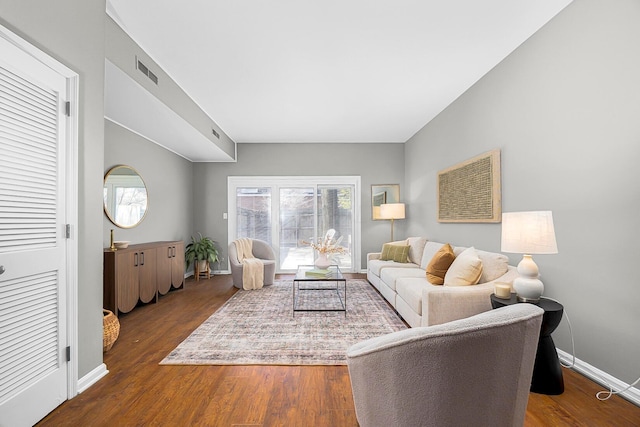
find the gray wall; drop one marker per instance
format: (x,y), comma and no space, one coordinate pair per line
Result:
(73,33)
(564,109)
(168,178)
(375,163)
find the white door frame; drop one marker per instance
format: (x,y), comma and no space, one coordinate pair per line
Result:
(275,182)
(71,177)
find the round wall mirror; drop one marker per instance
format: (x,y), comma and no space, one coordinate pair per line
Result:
(125,196)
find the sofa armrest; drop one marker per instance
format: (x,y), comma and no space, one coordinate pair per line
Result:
(373,255)
(402,378)
(448,303)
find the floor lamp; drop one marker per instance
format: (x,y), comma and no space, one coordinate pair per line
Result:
(392,211)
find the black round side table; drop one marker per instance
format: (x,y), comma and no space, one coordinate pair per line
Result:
(547,373)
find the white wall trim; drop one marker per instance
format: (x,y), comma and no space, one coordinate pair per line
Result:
(601,377)
(277,182)
(72,194)
(92,377)
(190,273)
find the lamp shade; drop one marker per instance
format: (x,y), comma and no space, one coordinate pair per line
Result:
(528,233)
(392,211)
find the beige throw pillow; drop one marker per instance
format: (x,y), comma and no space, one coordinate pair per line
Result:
(465,270)
(416,248)
(439,265)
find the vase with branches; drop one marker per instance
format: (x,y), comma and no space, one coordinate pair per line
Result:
(326,247)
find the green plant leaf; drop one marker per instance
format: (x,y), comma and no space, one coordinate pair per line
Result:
(201,249)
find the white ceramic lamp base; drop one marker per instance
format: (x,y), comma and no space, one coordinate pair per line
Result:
(528,286)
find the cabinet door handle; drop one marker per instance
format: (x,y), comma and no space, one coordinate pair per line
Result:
(142,258)
(174,251)
(169,252)
(135,259)
(2,270)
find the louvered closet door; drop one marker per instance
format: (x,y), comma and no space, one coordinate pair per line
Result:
(33,367)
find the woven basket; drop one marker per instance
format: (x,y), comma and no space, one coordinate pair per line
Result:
(111,329)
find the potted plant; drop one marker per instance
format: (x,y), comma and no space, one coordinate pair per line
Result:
(201,250)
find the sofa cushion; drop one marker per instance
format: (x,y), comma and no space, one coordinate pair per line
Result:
(393,252)
(494,265)
(396,242)
(465,270)
(376,265)
(390,275)
(439,264)
(410,290)
(430,249)
(385,253)
(416,248)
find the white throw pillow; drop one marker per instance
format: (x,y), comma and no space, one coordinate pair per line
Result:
(416,248)
(494,265)
(465,270)
(430,249)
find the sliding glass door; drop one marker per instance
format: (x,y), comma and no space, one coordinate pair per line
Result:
(253,213)
(297,225)
(290,212)
(335,211)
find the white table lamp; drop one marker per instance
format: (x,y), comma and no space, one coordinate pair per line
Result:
(392,211)
(528,233)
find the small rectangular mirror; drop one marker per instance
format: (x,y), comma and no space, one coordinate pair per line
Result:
(383,193)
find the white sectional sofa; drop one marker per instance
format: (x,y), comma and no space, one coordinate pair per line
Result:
(421,303)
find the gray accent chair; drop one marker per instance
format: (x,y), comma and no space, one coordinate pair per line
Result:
(469,372)
(261,250)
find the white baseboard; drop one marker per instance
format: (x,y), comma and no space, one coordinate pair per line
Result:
(92,377)
(601,377)
(221,272)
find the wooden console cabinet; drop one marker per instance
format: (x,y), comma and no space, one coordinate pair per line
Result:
(170,266)
(141,273)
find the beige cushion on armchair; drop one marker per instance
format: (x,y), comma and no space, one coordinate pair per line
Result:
(470,372)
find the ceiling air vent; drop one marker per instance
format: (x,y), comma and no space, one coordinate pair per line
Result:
(145,70)
(216,134)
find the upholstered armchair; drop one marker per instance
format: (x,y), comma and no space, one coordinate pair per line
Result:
(260,250)
(470,372)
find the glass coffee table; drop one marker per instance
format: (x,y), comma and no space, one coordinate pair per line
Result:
(319,289)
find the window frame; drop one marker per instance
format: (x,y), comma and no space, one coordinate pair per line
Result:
(277,182)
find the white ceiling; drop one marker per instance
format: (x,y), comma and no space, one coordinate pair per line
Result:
(328,70)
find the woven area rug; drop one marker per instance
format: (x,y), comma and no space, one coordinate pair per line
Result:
(258,328)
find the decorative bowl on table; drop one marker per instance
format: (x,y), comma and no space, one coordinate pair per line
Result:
(121,244)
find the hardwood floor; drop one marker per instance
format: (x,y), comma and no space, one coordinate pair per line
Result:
(139,392)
